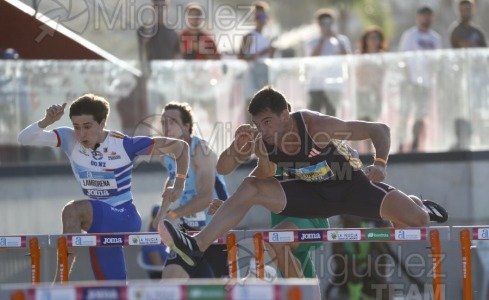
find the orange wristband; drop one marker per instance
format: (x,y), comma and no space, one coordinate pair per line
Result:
(172,214)
(381,160)
(181,176)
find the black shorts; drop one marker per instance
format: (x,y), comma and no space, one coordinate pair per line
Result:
(212,265)
(356,195)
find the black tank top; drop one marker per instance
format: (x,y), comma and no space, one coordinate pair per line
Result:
(312,163)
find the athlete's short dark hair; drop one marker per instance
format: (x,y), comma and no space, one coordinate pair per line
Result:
(90,104)
(185,112)
(268,98)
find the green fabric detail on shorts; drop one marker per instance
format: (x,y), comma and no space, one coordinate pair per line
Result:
(302,251)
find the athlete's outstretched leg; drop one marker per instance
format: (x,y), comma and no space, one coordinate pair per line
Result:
(264,191)
(76,215)
(403,211)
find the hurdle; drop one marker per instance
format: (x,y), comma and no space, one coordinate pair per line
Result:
(431,234)
(232,255)
(192,289)
(34,243)
(466,234)
(103,240)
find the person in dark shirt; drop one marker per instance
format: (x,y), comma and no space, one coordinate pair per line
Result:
(463,33)
(322,177)
(156,40)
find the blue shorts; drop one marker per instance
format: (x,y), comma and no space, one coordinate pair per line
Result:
(108,262)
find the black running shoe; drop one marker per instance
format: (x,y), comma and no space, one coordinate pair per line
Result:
(181,243)
(436,212)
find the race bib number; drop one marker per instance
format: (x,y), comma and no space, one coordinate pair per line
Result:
(195,221)
(98,183)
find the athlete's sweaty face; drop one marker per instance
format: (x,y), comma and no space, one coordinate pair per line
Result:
(172,125)
(87,131)
(270,125)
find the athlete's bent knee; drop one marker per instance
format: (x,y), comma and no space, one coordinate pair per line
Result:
(251,184)
(421,219)
(69,211)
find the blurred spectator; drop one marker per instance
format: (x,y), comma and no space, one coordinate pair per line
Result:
(154,256)
(255,47)
(156,41)
(464,34)
(416,92)
(195,43)
(9,53)
(463,135)
(324,95)
(13,99)
(370,75)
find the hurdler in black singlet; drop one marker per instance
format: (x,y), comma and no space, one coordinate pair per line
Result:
(323,182)
(312,163)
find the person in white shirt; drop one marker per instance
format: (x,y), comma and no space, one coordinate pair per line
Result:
(255,48)
(102,161)
(415,93)
(325,85)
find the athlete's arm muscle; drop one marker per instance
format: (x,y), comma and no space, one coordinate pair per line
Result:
(33,135)
(264,167)
(323,128)
(175,147)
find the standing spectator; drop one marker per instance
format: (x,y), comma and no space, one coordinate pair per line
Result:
(255,45)
(464,34)
(193,80)
(156,41)
(370,75)
(254,48)
(329,43)
(417,89)
(195,43)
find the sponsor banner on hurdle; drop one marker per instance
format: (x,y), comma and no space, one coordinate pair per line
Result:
(155,292)
(279,236)
(99,293)
(82,241)
(144,239)
(199,292)
(412,234)
(65,293)
(253,292)
(12,241)
(336,235)
(88,240)
(349,235)
(166,292)
(480,233)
